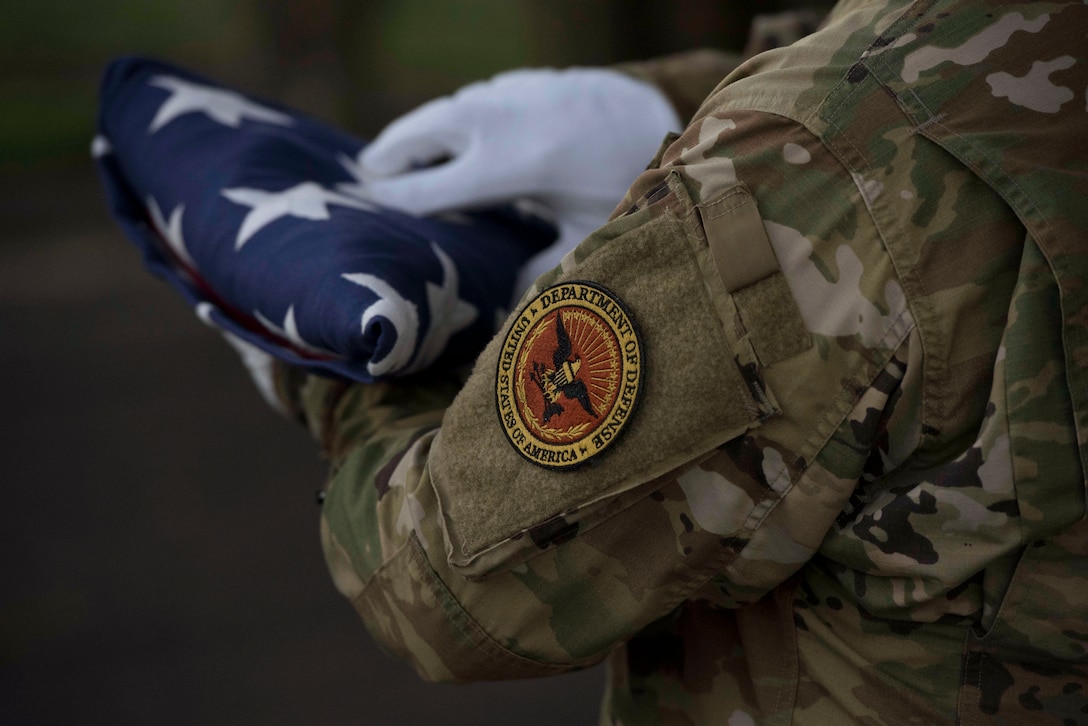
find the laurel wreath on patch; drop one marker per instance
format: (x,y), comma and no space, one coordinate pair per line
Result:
(571,433)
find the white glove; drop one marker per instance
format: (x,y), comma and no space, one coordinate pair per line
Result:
(571,140)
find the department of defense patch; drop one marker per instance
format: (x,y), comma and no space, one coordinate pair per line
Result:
(569,375)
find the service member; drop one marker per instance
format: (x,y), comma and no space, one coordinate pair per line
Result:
(799,436)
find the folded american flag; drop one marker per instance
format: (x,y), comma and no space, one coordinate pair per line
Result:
(259,216)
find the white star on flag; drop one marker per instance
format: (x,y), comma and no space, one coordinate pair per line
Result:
(225,107)
(290,332)
(170,230)
(449,313)
(354,167)
(306,201)
(401,314)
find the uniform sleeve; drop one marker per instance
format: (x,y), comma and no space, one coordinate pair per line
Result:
(476,554)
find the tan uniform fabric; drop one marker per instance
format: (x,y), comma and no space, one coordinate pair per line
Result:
(853,490)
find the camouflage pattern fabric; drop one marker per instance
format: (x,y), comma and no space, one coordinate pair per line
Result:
(888,526)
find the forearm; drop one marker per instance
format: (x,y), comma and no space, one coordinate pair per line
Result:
(384,535)
(365,431)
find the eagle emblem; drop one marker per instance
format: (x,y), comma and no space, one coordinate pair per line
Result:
(562,378)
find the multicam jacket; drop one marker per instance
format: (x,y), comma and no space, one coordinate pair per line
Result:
(835,469)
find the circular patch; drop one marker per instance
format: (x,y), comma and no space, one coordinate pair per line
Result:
(569,375)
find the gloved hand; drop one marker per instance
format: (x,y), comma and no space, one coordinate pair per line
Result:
(572,140)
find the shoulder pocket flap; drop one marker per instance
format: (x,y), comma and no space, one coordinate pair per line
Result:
(700,388)
(749,270)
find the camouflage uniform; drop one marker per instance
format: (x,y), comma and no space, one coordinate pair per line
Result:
(853,488)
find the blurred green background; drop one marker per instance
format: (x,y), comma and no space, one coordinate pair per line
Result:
(356,63)
(158,533)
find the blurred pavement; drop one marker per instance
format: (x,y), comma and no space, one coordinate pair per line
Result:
(158,531)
